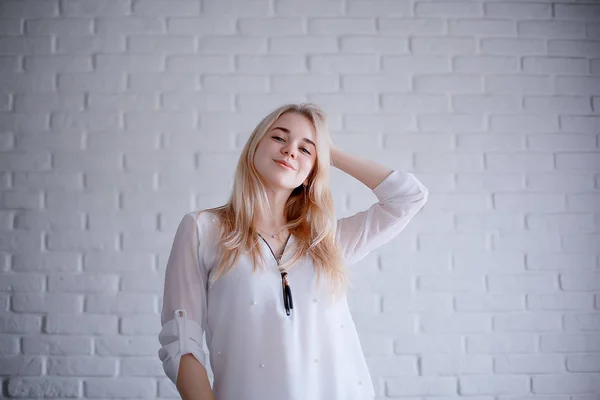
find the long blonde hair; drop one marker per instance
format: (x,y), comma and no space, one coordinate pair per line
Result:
(312,222)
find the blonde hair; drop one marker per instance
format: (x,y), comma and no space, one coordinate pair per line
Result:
(312,222)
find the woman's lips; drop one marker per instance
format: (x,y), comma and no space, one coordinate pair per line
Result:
(284,166)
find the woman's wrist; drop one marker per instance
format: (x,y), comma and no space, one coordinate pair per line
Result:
(332,156)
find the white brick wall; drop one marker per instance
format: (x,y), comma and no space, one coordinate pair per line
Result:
(116,114)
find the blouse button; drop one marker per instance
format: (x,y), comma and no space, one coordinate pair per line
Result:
(254,303)
(262,365)
(316,360)
(218,352)
(342,326)
(360,383)
(316,299)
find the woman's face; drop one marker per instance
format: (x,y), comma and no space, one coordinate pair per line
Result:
(291,139)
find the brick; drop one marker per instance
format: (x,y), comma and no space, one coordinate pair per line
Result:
(295,45)
(441,83)
(497,302)
(368,44)
(161,44)
(511,46)
(312,83)
(59,27)
(109,43)
(232,45)
(131,25)
(196,64)
(557,65)
(111,387)
(49,303)
(551,29)
(482,103)
(43,387)
(485,64)
(566,384)
(410,26)
(583,363)
(25,45)
(271,64)
(351,64)
(200,26)
(309,8)
(335,26)
(577,12)
(452,9)
(484,27)
(95,9)
(427,343)
(30,8)
(271,27)
(525,322)
(378,8)
(523,283)
(514,84)
(581,281)
(512,9)
(492,384)
(243,8)
(161,8)
(450,365)
(421,386)
(560,301)
(442,45)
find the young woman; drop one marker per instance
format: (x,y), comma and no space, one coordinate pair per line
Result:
(265,275)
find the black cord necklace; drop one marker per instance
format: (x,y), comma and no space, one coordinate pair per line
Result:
(287,291)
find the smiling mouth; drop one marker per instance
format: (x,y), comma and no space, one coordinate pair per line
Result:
(285,166)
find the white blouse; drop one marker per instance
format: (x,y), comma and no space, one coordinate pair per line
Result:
(257,351)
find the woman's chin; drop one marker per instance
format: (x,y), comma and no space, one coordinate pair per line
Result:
(281,182)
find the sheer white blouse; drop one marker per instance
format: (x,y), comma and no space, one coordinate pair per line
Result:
(256,351)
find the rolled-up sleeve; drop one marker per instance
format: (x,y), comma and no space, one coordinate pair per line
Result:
(400,196)
(183,316)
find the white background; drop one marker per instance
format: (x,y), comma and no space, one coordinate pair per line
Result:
(118,116)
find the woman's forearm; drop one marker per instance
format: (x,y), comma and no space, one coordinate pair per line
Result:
(369,172)
(192,380)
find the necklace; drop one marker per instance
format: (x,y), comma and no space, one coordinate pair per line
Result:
(287,291)
(270,234)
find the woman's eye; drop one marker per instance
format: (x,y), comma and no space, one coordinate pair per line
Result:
(303,149)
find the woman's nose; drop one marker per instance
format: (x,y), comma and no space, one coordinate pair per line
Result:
(288,151)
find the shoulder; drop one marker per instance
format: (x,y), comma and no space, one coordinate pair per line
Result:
(205,215)
(205,220)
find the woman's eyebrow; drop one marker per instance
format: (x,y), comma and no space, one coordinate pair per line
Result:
(286,130)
